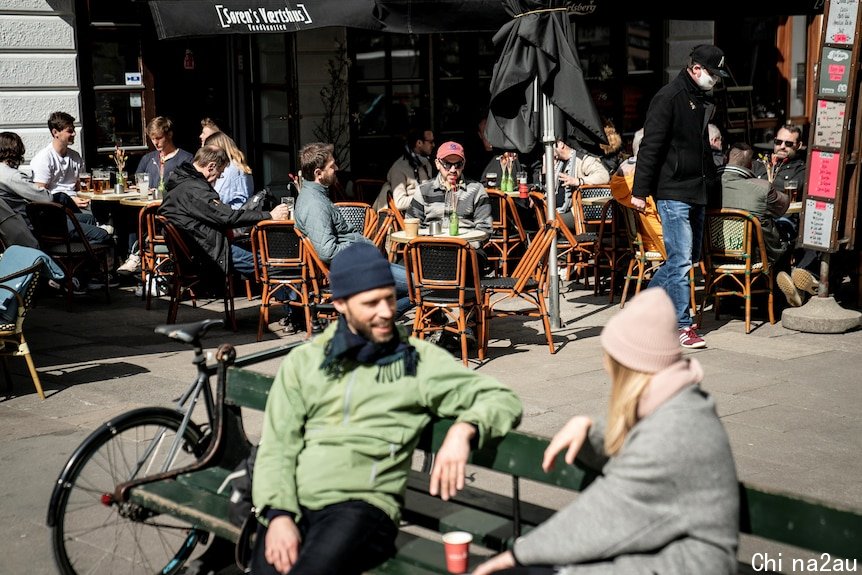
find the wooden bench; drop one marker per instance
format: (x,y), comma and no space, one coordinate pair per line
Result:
(494,519)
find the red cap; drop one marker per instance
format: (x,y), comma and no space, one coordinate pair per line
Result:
(447,149)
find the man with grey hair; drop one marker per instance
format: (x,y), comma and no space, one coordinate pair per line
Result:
(193,206)
(716,142)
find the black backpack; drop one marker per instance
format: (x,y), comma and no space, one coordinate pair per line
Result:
(241,510)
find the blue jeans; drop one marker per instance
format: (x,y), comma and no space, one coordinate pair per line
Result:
(399,273)
(682,228)
(242,260)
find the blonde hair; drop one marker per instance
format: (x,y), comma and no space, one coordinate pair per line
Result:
(227,144)
(627,386)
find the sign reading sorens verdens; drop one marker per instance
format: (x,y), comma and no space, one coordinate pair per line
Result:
(263,19)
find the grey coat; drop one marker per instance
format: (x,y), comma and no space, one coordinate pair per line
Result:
(668,502)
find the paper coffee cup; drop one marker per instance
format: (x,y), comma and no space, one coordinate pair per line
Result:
(457,547)
(411,227)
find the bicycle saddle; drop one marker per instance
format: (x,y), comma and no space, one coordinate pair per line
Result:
(188,332)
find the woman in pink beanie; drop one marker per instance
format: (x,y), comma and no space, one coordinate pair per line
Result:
(667,498)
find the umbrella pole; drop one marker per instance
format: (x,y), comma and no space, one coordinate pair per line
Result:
(548,140)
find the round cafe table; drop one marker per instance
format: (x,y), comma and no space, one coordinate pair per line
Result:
(138,201)
(400,236)
(112,197)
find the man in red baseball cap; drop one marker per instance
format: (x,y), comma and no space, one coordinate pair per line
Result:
(450,191)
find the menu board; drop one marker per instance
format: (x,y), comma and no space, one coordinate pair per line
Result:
(835,72)
(823,175)
(817,231)
(830,124)
(841,23)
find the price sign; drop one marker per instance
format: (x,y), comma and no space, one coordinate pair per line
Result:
(830,124)
(818,224)
(835,72)
(841,24)
(823,174)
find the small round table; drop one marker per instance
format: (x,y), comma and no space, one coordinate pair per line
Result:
(400,237)
(137,202)
(111,197)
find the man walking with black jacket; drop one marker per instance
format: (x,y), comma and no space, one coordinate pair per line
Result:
(675,166)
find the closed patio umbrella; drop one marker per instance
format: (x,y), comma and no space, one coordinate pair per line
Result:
(538,94)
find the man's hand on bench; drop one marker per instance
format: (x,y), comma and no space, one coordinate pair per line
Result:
(282,543)
(450,463)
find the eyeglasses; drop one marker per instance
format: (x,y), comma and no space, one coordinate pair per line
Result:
(449,165)
(787,143)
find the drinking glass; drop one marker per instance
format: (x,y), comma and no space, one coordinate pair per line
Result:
(101,180)
(143,182)
(289,201)
(85,179)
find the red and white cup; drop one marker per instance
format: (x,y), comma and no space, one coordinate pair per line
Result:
(457,548)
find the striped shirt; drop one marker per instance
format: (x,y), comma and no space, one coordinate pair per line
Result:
(474,207)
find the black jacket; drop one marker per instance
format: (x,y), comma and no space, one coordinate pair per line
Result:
(793,169)
(194,207)
(675,159)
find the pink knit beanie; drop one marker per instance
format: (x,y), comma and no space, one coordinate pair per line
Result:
(644,335)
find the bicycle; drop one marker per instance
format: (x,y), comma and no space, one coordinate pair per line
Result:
(95,533)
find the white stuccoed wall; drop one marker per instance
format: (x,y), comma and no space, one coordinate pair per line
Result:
(38,68)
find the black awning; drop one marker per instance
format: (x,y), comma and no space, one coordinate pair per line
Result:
(178,18)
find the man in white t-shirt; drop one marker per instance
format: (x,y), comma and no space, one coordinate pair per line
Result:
(57,167)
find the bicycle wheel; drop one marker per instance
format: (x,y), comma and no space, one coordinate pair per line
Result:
(93,534)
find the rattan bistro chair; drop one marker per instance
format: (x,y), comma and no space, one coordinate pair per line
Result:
(361,217)
(736,262)
(443,278)
(156,265)
(526,283)
(12,337)
(507,233)
(281,267)
(70,250)
(190,270)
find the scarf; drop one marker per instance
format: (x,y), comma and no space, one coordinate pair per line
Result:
(347,347)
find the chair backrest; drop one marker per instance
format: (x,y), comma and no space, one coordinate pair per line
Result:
(150,231)
(539,207)
(399,217)
(733,236)
(17,289)
(361,217)
(633,226)
(318,269)
(505,221)
(385,224)
(447,266)
(50,226)
(185,265)
(279,252)
(590,214)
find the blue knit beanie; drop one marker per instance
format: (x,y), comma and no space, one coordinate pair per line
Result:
(358,267)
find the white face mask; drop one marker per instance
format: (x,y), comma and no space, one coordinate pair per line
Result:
(706,81)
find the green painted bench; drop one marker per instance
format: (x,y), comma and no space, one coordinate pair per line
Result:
(494,519)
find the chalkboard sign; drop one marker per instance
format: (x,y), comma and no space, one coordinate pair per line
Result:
(835,72)
(830,124)
(841,23)
(817,231)
(823,174)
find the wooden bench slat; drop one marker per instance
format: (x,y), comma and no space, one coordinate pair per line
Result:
(200,508)
(247,388)
(209,479)
(422,553)
(794,520)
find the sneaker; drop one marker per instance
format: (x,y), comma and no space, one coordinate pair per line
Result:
(131,266)
(108,228)
(563,273)
(688,338)
(99,282)
(805,280)
(788,288)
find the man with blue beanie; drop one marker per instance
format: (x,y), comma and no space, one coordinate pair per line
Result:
(342,420)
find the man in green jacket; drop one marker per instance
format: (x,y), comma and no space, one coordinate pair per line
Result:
(343,417)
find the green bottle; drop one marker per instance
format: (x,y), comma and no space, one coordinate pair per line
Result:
(453,223)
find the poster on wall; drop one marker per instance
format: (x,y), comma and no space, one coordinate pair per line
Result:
(823,175)
(835,72)
(841,23)
(830,124)
(817,230)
